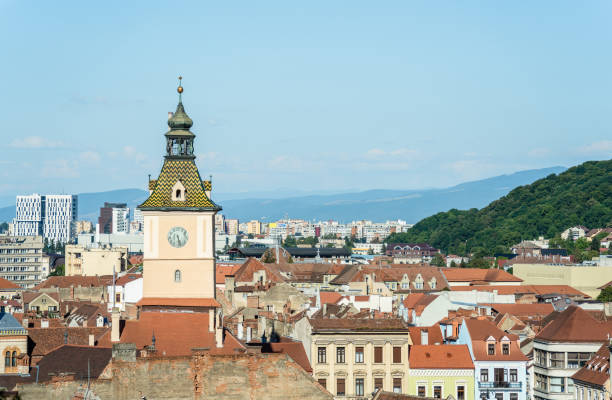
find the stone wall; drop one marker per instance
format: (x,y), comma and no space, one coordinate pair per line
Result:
(202,376)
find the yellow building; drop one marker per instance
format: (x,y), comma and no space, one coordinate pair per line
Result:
(440,371)
(353,357)
(585,279)
(254,227)
(92,262)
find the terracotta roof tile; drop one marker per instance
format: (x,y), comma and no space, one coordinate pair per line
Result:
(444,356)
(597,369)
(329,297)
(434,334)
(575,325)
(250,266)
(176,334)
(221,271)
(537,309)
(295,350)
(8,285)
(77,280)
(179,302)
(477,274)
(121,281)
(43,340)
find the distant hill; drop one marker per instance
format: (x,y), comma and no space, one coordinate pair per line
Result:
(582,195)
(380,205)
(377,205)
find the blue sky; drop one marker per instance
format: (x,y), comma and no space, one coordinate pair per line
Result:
(302,96)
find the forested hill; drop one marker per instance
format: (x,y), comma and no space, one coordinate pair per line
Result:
(582,195)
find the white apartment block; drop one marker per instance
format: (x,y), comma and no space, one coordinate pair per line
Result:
(22,260)
(121,220)
(52,216)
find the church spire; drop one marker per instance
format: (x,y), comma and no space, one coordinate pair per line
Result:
(179,139)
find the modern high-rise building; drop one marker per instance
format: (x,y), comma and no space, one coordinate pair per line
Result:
(114,218)
(22,260)
(52,216)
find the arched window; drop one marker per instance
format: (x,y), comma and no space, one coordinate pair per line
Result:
(14,360)
(177,275)
(178,194)
(7,359)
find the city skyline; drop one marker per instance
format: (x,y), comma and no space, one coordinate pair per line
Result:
(361,102)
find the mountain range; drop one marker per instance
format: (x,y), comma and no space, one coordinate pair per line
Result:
(376,205)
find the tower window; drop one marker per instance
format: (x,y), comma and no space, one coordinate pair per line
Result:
(178,193)
(177,275)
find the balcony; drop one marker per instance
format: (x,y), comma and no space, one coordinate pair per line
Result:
(499,385)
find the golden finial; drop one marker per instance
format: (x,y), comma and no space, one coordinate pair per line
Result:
(180,88)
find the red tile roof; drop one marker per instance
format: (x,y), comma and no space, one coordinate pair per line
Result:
(482,329)
(444,356)
(77,280)
(333,324)
(295,350)
(176,334)
(179,302)
(250,266)
(329,297)
(434,334)
(523,289)
(537,309)
(477,274)
(597,369)
(45,340)
(222,270)
(121,281)
(8,285)
(575,325)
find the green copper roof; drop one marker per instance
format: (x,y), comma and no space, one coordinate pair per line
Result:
(172,171)
(180,122)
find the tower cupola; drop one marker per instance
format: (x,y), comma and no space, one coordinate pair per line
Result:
(179,139)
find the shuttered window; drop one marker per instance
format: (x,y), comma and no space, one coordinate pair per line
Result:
(378,354)
(397,354)
(340,387)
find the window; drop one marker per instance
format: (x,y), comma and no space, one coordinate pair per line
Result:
(378,354)
(577,360)
(484,375)
(322,355)
(491,349)
(505,348)
(323,382)
(460,392)
(397,385)
(557,359)
(421,391)
(7,359)
(397,354)
(513,396)
(14,360)
(378,383)
(499,396)
(437,391)
(340,387)
(541,382)
(177,275)
(557,385)
(178,194)
(340,353)
(500,375)
(404,285)
(118,297)
(359,387)
(540,358)
(513,375)
(358,354)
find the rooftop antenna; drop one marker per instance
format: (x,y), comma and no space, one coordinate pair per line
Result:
(179,89)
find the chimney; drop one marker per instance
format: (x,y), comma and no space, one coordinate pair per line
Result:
(115,325)
(219,331)
(324,310)
(211,320)
(424,337)
(92,341)
(249,334)
(25,323)
(44,323)
(240,331)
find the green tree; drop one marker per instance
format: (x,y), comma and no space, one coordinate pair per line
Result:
(290,242)
(4,227)
(453,264)
(605,295)
(479,262)
(59,271)
(268,257)
(438,261)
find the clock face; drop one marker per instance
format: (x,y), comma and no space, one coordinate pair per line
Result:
(177,236)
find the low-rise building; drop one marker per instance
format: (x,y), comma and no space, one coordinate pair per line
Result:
(592,381)
(440,371)
(95,262)
(354,357)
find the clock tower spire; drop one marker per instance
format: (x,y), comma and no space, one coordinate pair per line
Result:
(179,254)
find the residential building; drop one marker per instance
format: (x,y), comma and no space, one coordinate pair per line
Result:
(411,253)
(126,291)
(41,302)
(592,381)
(22,260)
(52,216)
(254,227)
(83,227)
(574,233)
(565,345)
(352,358)
(91,262)
(439,371)
(500,365)
(231,226)
(13,346)
(134,241)
(114,218)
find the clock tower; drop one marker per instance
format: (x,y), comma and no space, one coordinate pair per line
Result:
(179,253)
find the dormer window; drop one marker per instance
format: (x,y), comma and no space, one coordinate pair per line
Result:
(505,348)
(491,349)
(179,193)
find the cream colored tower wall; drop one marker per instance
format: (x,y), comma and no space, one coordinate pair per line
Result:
(195,260)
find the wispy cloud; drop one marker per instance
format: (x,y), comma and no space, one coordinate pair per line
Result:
(601,147)
(89,157)
(60,169)
(538,152)
(134,154)
(34,142)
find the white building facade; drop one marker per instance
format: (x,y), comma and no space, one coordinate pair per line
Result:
(52,216)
